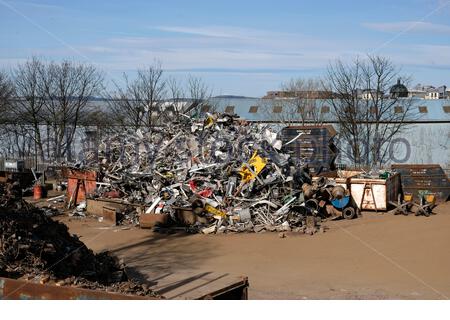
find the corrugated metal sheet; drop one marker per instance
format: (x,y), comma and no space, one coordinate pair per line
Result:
(435,108)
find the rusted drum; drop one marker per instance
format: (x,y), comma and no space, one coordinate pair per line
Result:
(37,192)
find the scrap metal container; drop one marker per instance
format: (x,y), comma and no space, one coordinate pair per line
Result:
(372,193)
(314,147)
(375,194)
(429,177)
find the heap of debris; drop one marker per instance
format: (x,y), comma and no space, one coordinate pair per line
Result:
(11,195)
(232,173)
(37,248)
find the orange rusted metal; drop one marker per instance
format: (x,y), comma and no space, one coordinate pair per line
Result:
(12,289)
(24,290)
(79,184)
(37,192)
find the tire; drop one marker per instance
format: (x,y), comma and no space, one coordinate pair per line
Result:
(313,206)
(349,213)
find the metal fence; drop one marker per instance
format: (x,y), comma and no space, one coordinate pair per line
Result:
(29,163)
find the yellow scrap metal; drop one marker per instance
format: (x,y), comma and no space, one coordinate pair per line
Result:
(209,121)
(167,175)
(408,197)
(430,198)
(215,211)
(257,163)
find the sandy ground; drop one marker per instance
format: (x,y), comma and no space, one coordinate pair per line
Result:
(377,256)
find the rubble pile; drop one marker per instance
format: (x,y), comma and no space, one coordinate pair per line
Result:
(11,195)
(233,174)
(35,247)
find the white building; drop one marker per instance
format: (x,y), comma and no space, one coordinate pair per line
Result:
(429,92)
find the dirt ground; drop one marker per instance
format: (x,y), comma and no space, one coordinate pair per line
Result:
(377,256)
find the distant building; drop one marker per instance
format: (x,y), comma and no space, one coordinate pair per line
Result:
(399,90)
(429,92)
(437,93)
(304,94)
(370,94)
(417,93)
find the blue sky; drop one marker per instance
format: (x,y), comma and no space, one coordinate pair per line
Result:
(237,47)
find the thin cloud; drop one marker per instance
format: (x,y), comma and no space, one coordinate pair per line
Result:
(219,49)
(38,5)
(411,26)
(214,32)
(228,32)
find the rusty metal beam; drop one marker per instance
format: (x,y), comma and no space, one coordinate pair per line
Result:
(12,289)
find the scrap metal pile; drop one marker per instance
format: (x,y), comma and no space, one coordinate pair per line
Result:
(36,248)
(232,174)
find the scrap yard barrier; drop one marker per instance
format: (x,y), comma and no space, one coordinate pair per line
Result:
(109,209)
(24,290)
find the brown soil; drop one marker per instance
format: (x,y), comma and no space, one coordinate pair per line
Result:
(377,256)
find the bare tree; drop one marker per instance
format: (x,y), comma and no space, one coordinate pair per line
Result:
(177,102)
(67,87)
(199,96)
(17,141)
(6,92)
(368,116)
(29,101)
(138,102)
(305,101)
(279,110)
(301,102)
